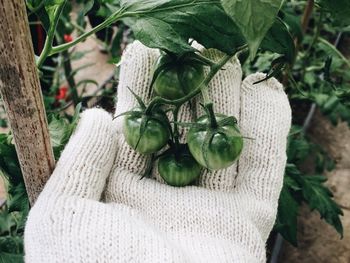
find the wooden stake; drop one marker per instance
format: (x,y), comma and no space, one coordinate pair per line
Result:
(21,93)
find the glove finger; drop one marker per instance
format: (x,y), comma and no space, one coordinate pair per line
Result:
(224,91)
(136,70)
(87,159)
(135,73)
(265,117)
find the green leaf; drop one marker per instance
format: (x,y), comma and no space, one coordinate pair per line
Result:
(58,127)
(339,9)
(87,6)
(286,222)
(18,200)
(298,149)
(294,24)
(75,119)
(61,130)
(169,24)
(319,197)
(253,17)
(10,258)
(9,163)
(11,244)
(279,40)
(47,13)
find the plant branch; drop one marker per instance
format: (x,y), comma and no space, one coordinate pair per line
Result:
(176,128)
(50,36)
(110,20)
(307,15)
(335,50)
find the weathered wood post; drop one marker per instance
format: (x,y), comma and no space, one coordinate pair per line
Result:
(21,93)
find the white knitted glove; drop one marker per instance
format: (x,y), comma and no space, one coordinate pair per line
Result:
(227,219)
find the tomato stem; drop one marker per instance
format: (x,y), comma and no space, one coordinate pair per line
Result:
(211,115)
(205,60)
(50,36)
(176,128)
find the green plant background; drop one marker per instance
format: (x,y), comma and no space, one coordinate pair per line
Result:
(306,60)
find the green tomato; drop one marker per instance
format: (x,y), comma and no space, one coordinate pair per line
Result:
(177,79)
(224,147)
(178,168)
(154,137)
(68,28)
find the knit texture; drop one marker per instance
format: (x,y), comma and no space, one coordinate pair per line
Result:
(226,218)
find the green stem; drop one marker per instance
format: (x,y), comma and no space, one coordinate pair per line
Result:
(35,9)
(176,128)
(50,36)
(210,111)
(205,95)
(317,34)
(67,68)
(335,50)
(82,30)
(174,7)
(110,20)
(70,77)
(204,59)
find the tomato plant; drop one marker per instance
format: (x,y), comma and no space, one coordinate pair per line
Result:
(315,73)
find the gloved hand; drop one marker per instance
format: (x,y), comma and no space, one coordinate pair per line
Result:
(227,218)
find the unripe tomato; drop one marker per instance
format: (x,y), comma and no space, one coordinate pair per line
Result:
(224,145)
(178,78)
(178,168)
(68,28)
(154,137)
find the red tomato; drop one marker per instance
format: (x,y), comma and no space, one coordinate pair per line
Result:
(62,93)
(67,38)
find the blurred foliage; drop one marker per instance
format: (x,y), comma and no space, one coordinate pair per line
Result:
(319,74)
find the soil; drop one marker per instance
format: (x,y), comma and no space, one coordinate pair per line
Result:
(319,242)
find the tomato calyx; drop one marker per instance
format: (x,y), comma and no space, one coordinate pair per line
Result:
(146,130)
(215,146)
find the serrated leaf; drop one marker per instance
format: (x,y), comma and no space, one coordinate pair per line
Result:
(18,200)
(298,149)
(286,222)
(58,127)
(9,163)
(169,24)
(253,17)
(319,197)
(60,131)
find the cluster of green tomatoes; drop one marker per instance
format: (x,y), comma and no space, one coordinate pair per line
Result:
(214,141)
